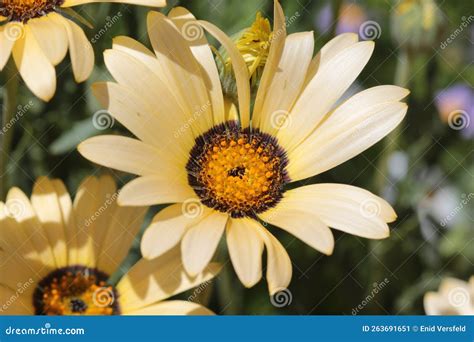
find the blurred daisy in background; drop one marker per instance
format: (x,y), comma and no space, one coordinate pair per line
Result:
(228,170)
(57,256)
(38,33)
(456,108)
(454,297)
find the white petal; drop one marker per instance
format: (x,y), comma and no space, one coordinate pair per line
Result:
(6,45)
(172,308)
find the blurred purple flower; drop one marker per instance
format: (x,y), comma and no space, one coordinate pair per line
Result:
(456,107)
(351,17)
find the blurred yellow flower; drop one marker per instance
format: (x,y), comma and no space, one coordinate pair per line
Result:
(228,170)
(57,256)
(38,36)
(454,297)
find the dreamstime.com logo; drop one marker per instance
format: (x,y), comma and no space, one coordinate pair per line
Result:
(282,298)
(46,330)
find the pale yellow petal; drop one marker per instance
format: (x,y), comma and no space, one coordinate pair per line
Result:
(344,207)
(80,49)
(130,155)
(245,249)
(45,201)
(194,34)
(240,71)
(151,281)
(6,45)
(279,268)
(343,140)
(150,190)
(274,56)
(181,66)
(306,226)
(51,37)
(286,84)
(172,308)
(34,67)
(169,226)
(17,301)
(322,92)
(200,242)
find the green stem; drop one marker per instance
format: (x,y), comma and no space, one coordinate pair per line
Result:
(6,134)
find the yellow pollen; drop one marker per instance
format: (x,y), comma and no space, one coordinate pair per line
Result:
(24,10)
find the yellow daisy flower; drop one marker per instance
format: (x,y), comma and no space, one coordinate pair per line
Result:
(454,297)
(38,35)
(57,256)
(228,171)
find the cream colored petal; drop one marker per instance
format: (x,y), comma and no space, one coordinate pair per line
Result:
(329,51)
(34,67)
(240,71)
(306,226)
(151,281)
(65,205)
(80,49)
(130,155)
(344,207)
(45,202)
(200,242)
(86,203)
(168,227)
(172,308)
(273,60)
(279,268)
(150,3)
(51,37)
(245,249)
(13,302)
(326,87)
(149,122)
(180,65)
(287,82)
(123,227)
(21,210)
(231,111)
(436,304)
(6,45)
(194,34)
(340,140)
(150,190)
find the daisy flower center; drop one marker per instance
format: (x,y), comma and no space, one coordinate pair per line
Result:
(24,10)
(240,172)
(75,290)
(254,46)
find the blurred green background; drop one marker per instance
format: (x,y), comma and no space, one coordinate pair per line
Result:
(425,168)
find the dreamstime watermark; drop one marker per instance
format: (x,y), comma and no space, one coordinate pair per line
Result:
(14,208)
(192,208)
(110,199)
(102,120)
(198,290)
(370,208)
(20,289)
(14,31)
(103,297)
(21,110)
(458,120)
(459,297)
(370,30)
(109,23)
(280,119)
(288,22)
(465,22)
(196,114)
(46,330)
(192,31)
(282,298)
(465,199)
(377,288)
